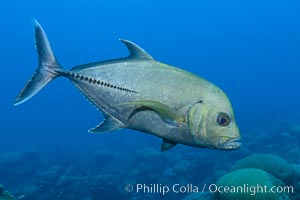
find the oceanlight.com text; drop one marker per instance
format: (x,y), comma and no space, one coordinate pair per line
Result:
(162,189)
(250,189)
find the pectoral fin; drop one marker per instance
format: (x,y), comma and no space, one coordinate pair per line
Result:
(167,145)
(165,112)
(107,125)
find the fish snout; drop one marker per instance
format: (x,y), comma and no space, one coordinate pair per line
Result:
(229,143)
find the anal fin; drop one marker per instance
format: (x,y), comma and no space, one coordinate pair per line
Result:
(107,125)
(167,145)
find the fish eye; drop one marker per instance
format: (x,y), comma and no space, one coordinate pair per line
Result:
(223,119)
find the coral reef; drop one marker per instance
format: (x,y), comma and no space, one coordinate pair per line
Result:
(296,181)
(272,164)
(102,173)
(200,196)
(295,129)
(22,164)
(249,178)
(296,168)
(4,195)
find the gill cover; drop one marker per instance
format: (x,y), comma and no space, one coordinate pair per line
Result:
(196,123)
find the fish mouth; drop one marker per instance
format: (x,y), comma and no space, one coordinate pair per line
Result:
(230,144)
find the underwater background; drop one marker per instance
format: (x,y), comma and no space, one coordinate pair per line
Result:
(250,49)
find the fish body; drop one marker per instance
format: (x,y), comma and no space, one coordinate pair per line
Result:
(140,93)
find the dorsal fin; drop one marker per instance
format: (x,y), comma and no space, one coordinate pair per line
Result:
(135,51)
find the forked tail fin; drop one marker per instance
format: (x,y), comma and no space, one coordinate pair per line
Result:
(48,68)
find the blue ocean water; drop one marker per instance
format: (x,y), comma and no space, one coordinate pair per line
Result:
(250,49)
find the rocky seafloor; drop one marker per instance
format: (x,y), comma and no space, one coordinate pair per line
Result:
(269,156)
